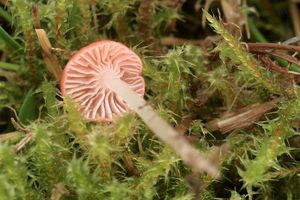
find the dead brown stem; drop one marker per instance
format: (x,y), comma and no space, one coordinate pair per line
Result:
(36,16)
(241,118)
(49,58)
(23,142)
(132,170)
(258,47)
(17,126)
(286,57)
(271,65)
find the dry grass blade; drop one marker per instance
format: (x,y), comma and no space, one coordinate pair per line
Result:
(49,58)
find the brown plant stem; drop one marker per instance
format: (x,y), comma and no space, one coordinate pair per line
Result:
(273,66)
(257,47)
(28,137)
(241,118)
(23,142)
(132,170)
(36,16)
(286,57)
(49,58)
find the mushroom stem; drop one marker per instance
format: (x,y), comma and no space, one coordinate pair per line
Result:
(190,155)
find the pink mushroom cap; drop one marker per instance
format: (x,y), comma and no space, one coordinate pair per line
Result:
(88,73)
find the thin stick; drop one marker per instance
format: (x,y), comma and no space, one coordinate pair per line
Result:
(241,118)
(260,46)
(286,57)
(190,155)
(23,142)
(36,16)
(50,59)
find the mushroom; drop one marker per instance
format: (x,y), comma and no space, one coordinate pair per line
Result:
(91,74)
(104,79)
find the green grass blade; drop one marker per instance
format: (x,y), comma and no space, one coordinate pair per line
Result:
(4,14)
(257,35)
(10,40)
(28,110)
(9,66)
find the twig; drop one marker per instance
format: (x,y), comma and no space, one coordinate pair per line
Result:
(289,58)
(25,140)
(36,16)
(241,118)
(271,65)
(17,126)
(254,47)
(49,58)
(132,170)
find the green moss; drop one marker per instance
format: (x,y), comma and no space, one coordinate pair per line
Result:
(187,84)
